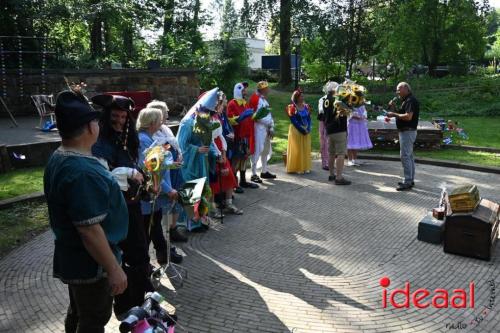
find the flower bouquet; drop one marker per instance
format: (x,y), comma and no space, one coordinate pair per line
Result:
(157,159)
(204,126)
(347,96)
(261,113)
(194,197)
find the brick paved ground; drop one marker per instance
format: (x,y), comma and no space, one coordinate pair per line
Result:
(306,256)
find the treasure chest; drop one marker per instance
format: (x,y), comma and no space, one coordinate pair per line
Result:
(473,234)
(430,229)
(464,198)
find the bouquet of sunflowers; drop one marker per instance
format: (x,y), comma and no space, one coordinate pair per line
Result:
(347,96)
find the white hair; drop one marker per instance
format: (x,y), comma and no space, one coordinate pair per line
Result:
(155,104)
(330,86)
(404,84)
(148,117)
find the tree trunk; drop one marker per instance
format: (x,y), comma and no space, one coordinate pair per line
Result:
(195,37)
(96,37)
(128,43)
(168,23)
(285,26)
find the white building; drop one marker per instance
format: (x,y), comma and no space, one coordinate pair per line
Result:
(255,49)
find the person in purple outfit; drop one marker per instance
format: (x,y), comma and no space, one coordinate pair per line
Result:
(358,137)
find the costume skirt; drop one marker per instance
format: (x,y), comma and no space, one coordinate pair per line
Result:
(299,151)
(358,137)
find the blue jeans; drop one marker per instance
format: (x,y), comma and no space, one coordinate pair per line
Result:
(406,142)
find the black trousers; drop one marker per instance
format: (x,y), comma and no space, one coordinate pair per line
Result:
(89,307)
(135,263)
(155,231)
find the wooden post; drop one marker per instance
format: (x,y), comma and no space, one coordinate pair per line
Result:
(4,159)
(8,111)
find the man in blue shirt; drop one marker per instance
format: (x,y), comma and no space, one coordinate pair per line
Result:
(88,216)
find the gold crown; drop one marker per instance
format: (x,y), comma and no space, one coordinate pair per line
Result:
(262,85)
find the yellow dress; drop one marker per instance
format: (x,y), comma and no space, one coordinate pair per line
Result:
(298,157)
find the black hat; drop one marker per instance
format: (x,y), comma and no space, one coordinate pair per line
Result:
(72,111)
(114,102)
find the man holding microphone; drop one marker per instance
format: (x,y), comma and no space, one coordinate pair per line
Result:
(407,123)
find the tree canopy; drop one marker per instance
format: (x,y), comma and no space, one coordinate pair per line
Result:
(336,35)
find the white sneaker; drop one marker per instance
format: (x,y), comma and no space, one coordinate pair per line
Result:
(350,163)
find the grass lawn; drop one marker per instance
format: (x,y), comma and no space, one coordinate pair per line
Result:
(20,182)
(482,131)
(20,223)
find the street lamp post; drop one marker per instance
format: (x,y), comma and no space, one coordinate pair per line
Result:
(296,43)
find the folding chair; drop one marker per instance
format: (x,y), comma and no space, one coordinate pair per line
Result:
(44,105)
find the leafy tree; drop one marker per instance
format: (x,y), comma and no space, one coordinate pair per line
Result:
(247,26)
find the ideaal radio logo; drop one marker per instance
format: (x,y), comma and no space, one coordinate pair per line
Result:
(440,298)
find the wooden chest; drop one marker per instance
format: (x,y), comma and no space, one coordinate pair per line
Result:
(464,198)
(473,234)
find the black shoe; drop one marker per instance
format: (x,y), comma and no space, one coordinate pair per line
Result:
(174,256)
(177,236)
(248,185)
(402,183)
(404,187)
(267,175)
(342,181)
(239,189)
(331,178)
(256,179)
(202,228)
(326,168)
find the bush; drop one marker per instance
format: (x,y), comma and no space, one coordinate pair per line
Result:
(263,75)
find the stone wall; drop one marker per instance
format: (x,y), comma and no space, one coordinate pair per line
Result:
(172,86)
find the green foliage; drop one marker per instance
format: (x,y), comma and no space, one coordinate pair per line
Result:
(262,75)
(227,64)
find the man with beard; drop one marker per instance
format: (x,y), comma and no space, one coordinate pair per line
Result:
(118,146)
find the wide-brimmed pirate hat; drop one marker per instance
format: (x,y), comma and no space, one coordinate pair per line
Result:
(114,102)
(73,111)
